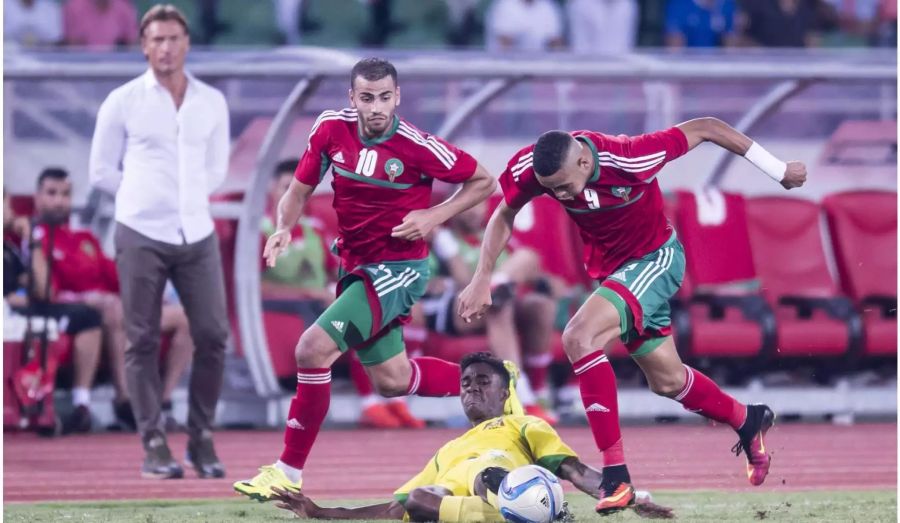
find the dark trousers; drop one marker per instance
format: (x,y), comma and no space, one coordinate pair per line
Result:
(196,272)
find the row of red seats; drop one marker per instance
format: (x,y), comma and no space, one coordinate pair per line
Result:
(758,283)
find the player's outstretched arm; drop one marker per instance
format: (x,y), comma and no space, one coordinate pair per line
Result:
(790,175)
(304,507)
(475,299)
(290,207)
(585,478)
(418,224)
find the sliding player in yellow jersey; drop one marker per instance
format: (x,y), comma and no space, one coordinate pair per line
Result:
(460,481)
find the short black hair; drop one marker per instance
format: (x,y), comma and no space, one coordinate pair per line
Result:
(489,359)
(285,166)
(52,173)
(550,151)
(373,69)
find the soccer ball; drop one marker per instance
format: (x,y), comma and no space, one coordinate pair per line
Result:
(530,494)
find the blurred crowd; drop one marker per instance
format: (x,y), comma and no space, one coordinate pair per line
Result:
(582,26)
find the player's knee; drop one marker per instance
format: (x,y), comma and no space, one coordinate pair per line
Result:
(419,505)
(668,386)
(575,342)
(313,349)
(390,386)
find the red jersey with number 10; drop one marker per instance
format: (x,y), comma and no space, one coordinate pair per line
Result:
(378,181)
(620,211)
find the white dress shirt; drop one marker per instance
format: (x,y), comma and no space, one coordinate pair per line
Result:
(162,163)
(531,25)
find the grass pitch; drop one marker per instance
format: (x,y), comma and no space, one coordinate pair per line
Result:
(857,506)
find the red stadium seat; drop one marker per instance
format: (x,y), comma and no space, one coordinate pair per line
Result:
(22,204)
(724,315)
(863,228)
(543,226)
(813,318)
(282,332)
(320,208)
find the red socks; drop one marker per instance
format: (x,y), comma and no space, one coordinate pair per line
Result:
(701,395)
(601,404)
(433,377)
(536,366)
(358,376)
(305,417)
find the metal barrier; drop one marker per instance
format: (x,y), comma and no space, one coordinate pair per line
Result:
(795,72)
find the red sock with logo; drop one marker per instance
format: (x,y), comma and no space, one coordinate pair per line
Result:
(597,382)
(306,414)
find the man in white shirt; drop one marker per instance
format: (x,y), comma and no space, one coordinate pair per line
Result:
(524,25)
(161,145)
(602,27)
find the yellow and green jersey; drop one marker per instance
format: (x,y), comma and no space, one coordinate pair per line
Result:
(510,441)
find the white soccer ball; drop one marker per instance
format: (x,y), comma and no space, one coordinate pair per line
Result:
(530,494)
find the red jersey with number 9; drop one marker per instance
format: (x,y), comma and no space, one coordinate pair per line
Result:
(620,211)
(378,181)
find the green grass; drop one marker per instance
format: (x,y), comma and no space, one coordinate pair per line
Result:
(863,507)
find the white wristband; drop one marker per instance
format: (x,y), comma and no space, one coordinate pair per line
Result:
(766,162)
(444,244)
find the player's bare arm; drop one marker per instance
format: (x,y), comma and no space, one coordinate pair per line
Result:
(475,299)
(790,175)
(585,478)
(290,207)
(417,224)
(304,507)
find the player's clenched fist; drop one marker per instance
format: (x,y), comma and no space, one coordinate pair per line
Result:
(794,175)
(275,245)
(474,300)
(415,226)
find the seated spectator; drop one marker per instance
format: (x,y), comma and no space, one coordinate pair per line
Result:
(524,25)
(700,23)
(24,290)
(785,23)
(608,27)
(303,283)
(83,274)
(100,24)
(518,325)
(32,22)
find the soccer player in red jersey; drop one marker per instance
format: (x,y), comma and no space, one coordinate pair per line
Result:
(383,172)
(608,186)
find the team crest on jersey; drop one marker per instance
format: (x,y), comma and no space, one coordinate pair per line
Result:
(393,168)
(88,249)
(622,192)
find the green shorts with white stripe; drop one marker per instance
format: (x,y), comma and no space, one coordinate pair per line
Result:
(373,302)
(640,290)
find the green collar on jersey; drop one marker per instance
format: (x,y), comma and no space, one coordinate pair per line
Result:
(369,142)
(596,176)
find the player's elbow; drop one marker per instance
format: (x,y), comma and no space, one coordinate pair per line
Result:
(484,182)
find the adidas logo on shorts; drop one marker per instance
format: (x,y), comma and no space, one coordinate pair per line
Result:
(619,276)
(294,424)
(339,325)
(596,407)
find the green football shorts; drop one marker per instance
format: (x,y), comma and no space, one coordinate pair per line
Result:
(374,301)
(640,290)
